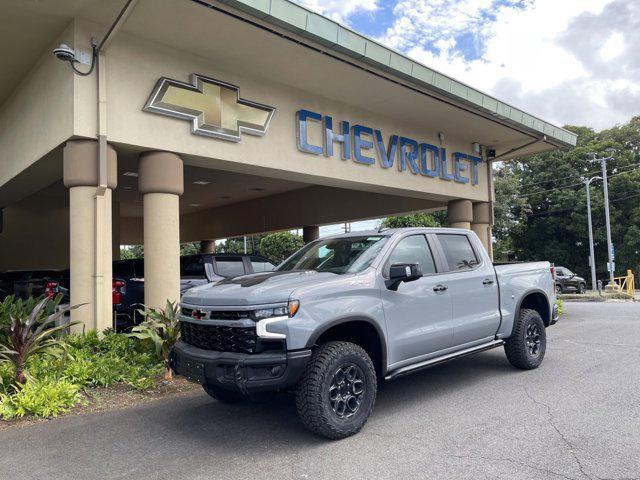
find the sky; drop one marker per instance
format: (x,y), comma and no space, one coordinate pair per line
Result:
(573,62)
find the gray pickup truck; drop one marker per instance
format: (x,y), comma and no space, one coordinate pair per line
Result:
(345,312)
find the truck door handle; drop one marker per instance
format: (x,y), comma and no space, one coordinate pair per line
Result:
(440,288)
(487,281)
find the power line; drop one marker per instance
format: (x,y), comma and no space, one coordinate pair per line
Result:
(574,184)
(549,212)
(586,174)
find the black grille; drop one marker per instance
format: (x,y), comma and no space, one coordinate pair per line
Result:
(218,314)
(229,315)
(220,339)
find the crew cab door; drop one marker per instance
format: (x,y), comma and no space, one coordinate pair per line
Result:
(418,313)
(473,286)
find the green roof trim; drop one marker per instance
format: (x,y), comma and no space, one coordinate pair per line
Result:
(316,27)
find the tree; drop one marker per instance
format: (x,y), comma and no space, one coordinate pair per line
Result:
(278,246)
(131,252)
(436,219)
(541,202)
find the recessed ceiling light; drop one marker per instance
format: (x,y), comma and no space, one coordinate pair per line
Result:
(194,204)
(257,189)
(130,174)
(201,182)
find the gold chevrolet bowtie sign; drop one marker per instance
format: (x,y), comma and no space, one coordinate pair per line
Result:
(214,107)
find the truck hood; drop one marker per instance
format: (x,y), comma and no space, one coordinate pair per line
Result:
(254,289)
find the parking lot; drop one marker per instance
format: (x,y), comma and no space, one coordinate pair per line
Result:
(577,416)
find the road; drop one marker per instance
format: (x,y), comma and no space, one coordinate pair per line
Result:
(576,417)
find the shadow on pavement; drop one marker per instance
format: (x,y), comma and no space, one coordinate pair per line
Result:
(248,425)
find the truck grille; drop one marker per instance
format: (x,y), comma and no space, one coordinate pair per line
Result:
(218,338)
(217,314)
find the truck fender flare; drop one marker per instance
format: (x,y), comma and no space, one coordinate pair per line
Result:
(342,320)
(525,295)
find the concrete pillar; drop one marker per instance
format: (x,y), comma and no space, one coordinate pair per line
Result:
(207,246)
(161,182)
(90,236)
(459,214)
(115,227)
(310,233)
(481,224)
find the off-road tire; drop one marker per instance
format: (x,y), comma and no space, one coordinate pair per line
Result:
(558,289)
(313,397)
(224,396)
(518,347)
(582,288)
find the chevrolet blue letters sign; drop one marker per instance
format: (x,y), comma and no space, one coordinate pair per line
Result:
(361,143)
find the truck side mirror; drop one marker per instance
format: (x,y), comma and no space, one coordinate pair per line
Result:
(403,272)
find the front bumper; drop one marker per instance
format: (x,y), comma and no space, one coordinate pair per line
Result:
(240,372)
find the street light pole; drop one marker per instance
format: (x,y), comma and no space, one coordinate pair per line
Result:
(592,259)
(603,163)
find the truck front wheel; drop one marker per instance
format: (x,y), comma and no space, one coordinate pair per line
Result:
(526,347)
(336,393)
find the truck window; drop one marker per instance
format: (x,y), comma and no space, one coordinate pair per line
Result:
(261,265)
(229,266)
(458,251)
(192,267)
(414,249)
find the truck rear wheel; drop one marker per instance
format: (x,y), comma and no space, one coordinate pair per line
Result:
(337,391)
(526,347)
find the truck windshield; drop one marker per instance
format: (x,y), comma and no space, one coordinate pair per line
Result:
(337,255)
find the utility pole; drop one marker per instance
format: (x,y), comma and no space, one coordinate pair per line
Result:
(603,163)
(592,259)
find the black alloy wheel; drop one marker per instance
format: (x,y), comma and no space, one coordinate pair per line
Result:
(347,390)
(533,339)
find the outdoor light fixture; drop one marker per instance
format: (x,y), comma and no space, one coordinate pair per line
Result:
(67,54)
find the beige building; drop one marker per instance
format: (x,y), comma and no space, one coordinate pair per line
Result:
(207,119)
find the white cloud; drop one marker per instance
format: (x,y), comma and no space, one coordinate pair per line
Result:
(573,61)
(613,47)
(340,10)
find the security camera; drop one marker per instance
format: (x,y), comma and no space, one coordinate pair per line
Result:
(65,53)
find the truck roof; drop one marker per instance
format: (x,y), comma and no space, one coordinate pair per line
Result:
(387,232)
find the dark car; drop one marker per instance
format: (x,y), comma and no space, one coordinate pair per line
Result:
(7,281)
(198,269)
(36,283)
(567,281)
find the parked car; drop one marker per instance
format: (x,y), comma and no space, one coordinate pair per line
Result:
(42,282)
(567,281)
(346,312)
(7,280)
(199,269)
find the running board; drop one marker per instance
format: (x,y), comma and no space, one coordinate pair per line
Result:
(445,358)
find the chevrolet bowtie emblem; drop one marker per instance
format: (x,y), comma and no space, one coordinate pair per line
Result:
(214,107)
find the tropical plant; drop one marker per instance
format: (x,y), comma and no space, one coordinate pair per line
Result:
(31,334)
(163,329)
(41,398)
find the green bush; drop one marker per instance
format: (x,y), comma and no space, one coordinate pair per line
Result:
(92,361)
(41,398)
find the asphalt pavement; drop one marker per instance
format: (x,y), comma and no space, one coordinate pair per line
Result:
(575,417)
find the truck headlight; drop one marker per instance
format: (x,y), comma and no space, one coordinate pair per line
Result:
(287,311)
